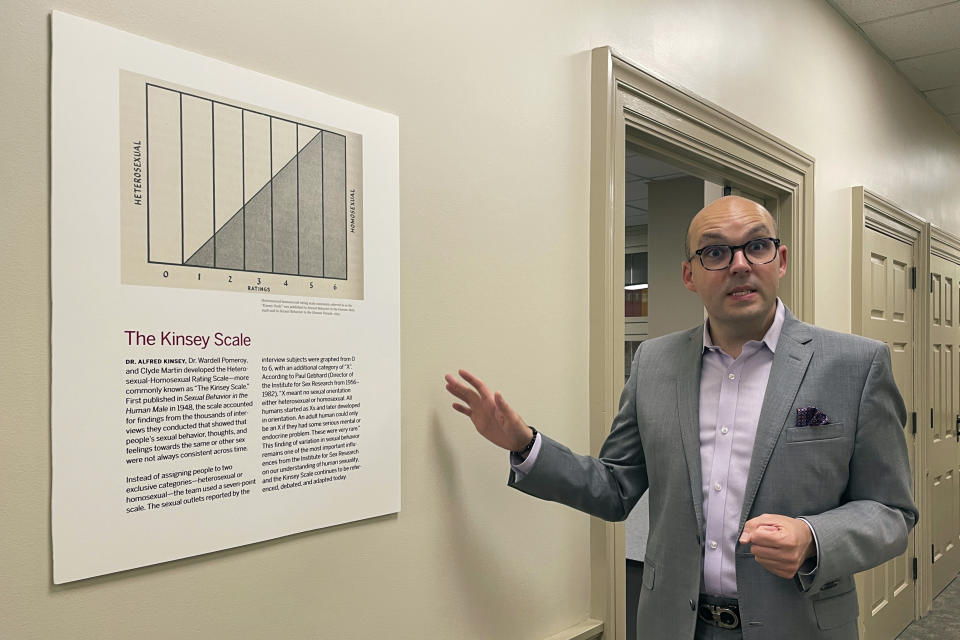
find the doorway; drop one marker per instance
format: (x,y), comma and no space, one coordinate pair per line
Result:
(660,199)
(941,443)
(702,140)
(888,248)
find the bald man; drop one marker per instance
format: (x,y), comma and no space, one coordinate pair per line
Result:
(773,452)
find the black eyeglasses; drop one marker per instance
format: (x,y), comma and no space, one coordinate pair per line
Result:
(716,257)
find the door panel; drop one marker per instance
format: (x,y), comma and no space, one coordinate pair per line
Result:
(944,452)
(887,592)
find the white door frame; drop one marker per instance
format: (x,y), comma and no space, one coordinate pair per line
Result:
(947,246)
(871,211)
(709,141)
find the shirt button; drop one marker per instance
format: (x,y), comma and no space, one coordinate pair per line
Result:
(693,607)
(713,544)
(731,376)
(724,430)
(717,486)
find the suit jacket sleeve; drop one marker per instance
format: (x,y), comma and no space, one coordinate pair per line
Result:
(872,524)
(608,486)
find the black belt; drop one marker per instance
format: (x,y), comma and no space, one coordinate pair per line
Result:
(720,612)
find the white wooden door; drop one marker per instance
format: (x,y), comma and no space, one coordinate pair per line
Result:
(943,480)
(887,307)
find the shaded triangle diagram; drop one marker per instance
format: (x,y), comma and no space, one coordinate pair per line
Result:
(271,225)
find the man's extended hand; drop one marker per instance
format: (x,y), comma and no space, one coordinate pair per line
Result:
(780,544)
(489,412)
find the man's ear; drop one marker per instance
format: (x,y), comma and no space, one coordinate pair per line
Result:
(686,275)
(783,260)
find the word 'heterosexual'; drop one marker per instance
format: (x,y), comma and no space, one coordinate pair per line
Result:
(174,339)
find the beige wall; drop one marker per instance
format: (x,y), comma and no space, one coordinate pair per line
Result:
(493,100)
(672,204)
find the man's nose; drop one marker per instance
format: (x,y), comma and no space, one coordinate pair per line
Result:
(739,263)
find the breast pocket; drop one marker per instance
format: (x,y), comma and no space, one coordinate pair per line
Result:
(815,432)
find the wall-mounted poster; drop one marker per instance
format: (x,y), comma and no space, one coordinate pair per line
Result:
(225,305)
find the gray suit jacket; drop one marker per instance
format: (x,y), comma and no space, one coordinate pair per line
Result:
(850,479)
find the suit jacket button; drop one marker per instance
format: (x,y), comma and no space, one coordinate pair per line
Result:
(693,605)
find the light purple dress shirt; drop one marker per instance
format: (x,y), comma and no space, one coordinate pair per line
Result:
(731,396)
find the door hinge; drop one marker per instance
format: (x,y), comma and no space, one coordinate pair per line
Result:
(932,555)
(913,277)
(931,417)
(913,419)
(915,568)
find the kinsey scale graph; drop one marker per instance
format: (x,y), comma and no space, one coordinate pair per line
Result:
(229,196)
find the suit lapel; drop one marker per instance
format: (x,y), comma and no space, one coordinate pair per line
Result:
(688,409)
(790,364)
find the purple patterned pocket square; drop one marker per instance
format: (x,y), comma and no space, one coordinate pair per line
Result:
(807,416)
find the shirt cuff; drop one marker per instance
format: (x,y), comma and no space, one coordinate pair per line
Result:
(522,467)
(808,569)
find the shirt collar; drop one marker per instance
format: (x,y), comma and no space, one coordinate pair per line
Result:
(770,338)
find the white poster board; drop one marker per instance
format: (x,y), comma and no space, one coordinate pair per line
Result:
(226,358)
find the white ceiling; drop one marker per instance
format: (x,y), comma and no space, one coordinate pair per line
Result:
(921,38)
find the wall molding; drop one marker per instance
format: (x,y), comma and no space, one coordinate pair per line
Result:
(586,630)
(944,244)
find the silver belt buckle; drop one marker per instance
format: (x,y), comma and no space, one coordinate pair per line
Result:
(717,612)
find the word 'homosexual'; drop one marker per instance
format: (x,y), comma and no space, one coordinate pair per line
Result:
(174,339)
